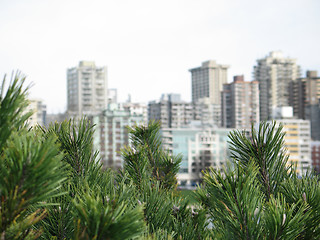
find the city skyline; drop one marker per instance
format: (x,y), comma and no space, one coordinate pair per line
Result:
(149,47)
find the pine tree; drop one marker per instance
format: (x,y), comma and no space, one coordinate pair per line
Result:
(261,197)
(53,186)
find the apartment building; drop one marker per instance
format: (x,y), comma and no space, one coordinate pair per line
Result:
(275,74)
(240,104)
(170,111)
(297,138)
(207,113)
(315,153)
(39,112)
(111,133)
(207,81)
(200,149)
(306,104)
(87,90)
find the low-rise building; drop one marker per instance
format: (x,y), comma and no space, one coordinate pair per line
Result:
(200,148)
(39,110)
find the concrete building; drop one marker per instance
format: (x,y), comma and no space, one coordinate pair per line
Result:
(171,111)
(136,109)
(200,149)
(207,113)
(306,104)
(297,138)
(240,104)
(111,133)
(87,91)
(275,74)
(208,80)
(39,110)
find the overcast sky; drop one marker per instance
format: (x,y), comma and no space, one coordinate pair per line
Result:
(149,46)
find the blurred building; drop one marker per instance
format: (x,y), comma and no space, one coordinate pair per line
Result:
(112,95)
(306,92)
(57,117)
(297,138)
(136,109)
(39,110)
(86,89)
(170,111)
(111,132)
(275,75)
(240,104)
(315,153)
(209,114)
(207,81)
(200,148)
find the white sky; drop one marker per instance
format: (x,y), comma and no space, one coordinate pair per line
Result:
(148,45)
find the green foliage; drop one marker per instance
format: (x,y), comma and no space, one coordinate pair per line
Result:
(303,191)
(30,168)
(234,201)
(75,141)
(266,148)
(153,172)
(261,198)
(147,152)
(13,102)
(284,221)
(98,219)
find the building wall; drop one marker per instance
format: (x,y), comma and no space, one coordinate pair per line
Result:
(199,148)
(111,133)
(298,143)
(306,92)
(207,113)
(170,111)
(39,110)
(315,153)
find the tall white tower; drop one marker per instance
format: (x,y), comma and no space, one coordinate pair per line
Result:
(87,91)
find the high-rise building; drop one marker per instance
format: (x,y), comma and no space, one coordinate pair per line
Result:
(306,104)
(275,74)
(170,111)
(208,80)
(86,89)
(240,104)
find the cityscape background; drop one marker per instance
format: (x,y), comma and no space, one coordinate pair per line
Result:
(148,46)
